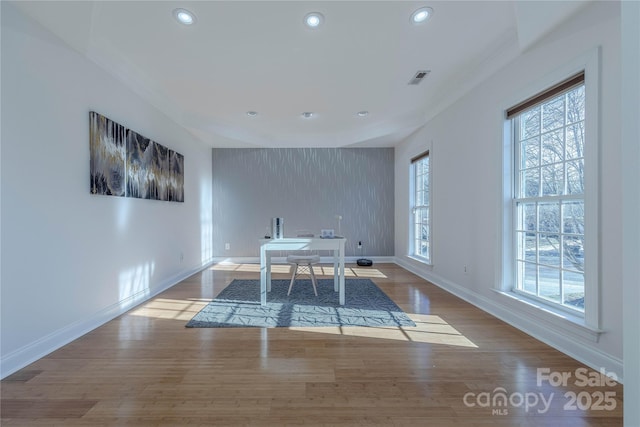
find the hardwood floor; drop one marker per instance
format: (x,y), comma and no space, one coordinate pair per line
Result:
(146,369)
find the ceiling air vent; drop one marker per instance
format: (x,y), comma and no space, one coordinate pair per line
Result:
(421,74)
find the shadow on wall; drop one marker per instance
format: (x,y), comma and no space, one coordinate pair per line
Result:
(134,284)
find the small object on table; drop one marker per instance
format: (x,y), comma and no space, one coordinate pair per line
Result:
(327,234)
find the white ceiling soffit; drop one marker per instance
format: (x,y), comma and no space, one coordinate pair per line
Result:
(536,19)
(258,56)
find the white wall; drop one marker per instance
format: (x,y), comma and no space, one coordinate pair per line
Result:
(631,206)
(71,260)
(466,158)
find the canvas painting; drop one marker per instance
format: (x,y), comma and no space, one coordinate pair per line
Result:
(139,163)
(161,172)
(107,151)
(176,176)
(125,163)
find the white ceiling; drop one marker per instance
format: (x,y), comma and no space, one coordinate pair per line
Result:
(258,56)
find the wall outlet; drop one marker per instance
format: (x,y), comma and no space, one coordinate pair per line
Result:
(181,256)
(466,269)
(360,245)
(227,246)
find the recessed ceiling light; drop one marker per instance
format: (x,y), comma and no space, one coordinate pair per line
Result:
(313,19)
(184,16)
(307,114)
(421,15)
(363,113)
(252,113)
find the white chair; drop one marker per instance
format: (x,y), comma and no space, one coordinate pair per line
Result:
(303,264)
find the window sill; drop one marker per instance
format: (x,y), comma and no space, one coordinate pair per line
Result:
(548,314)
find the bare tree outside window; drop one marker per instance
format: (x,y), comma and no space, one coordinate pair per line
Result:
(549,199)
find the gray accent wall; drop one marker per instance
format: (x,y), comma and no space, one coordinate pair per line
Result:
(307,187)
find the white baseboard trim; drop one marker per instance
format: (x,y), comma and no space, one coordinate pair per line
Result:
(36,350)
(546,331)
(283,260)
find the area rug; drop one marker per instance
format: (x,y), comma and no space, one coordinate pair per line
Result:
(238,305)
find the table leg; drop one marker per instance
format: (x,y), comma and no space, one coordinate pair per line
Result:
(341,262)
(263,276)
(336,269)
(268,254)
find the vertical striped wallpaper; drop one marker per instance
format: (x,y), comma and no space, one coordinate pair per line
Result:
(307,187)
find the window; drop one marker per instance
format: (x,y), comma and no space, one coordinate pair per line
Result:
(549,195)
(420,210)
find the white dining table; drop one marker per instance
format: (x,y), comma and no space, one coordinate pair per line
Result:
(336,245)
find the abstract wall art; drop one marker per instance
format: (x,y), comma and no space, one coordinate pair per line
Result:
(107,146)
(176,177)
(125,163)
(139,165)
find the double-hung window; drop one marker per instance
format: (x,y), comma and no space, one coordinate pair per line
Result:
(549,196)
(420,210)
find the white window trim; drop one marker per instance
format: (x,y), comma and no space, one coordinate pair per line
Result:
(412,190)
(590,63)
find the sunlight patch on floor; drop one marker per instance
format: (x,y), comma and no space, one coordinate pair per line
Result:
(318,270)
(368,272)
(321,270)
(171,309)
(251,268)
(429,329)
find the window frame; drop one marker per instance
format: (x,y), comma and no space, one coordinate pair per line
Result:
(541,199)
(506,264)
(413,206)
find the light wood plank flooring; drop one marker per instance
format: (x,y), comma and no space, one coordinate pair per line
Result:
(146,369)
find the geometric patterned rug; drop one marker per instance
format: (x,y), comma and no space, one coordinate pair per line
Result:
(238,305)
